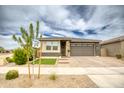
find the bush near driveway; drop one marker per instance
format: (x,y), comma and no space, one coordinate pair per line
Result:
(118,56)
(46,61)
(9,60)
(20,56)
(12,74)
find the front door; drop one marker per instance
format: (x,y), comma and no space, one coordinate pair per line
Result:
(63,48)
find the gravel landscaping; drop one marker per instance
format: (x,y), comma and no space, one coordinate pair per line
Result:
(62,81)
(2,58)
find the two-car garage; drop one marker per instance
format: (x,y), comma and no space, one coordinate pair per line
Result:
(82,49)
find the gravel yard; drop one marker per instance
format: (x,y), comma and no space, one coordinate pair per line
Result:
(62,81)
(3,56)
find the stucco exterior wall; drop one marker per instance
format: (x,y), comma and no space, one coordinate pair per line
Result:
(97,49)
(48,52)
(51,54)
(68,48)
(112,48)
(122,48)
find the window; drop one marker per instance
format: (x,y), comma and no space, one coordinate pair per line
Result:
(55,47)
(52,45)
(48,43)
(48,47)
(55,43)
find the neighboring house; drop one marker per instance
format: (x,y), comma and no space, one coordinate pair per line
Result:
(69,47)
(6,51)
(113,46)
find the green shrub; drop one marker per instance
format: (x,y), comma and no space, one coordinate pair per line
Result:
(53,76)
(118,56)
(12,74)
(9,59)
(20,56)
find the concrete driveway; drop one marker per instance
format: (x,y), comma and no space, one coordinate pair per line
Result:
(90,61)
(106,72)
(103,71)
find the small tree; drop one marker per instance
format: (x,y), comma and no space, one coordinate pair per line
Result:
(1,49)
(37,34)
(25,40)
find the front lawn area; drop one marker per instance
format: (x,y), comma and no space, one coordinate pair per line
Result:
(45,61)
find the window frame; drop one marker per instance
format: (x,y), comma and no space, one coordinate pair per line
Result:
(52,44)
(54,48)
(48,48)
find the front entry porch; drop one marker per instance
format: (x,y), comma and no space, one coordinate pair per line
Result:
(65,48)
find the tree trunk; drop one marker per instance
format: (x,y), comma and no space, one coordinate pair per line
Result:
(29,74)
(39,69)
(40,61)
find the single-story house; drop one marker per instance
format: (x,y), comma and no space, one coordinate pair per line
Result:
(81,47)
(113,46)
(69,47)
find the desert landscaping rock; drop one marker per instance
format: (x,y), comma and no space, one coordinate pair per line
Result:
(2,58)
(62,81)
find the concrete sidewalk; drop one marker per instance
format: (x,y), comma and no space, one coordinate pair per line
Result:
(69,70)
(108,81)
(104,77)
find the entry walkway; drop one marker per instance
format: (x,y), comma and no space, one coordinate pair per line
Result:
(69,70)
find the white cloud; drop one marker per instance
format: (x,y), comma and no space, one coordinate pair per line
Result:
(54,13)
(74,24)
(7,42)
(61,21)
(108,15)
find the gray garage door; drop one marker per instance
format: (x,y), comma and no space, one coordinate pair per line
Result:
(81,49)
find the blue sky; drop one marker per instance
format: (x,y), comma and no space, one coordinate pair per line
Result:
(92,22)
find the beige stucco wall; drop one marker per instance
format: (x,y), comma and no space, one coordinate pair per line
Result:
(68,48)
(104,52)
(112,49)
(97,49)
(122,48)
(43,45)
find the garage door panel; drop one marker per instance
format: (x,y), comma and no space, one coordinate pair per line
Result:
(82,50)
